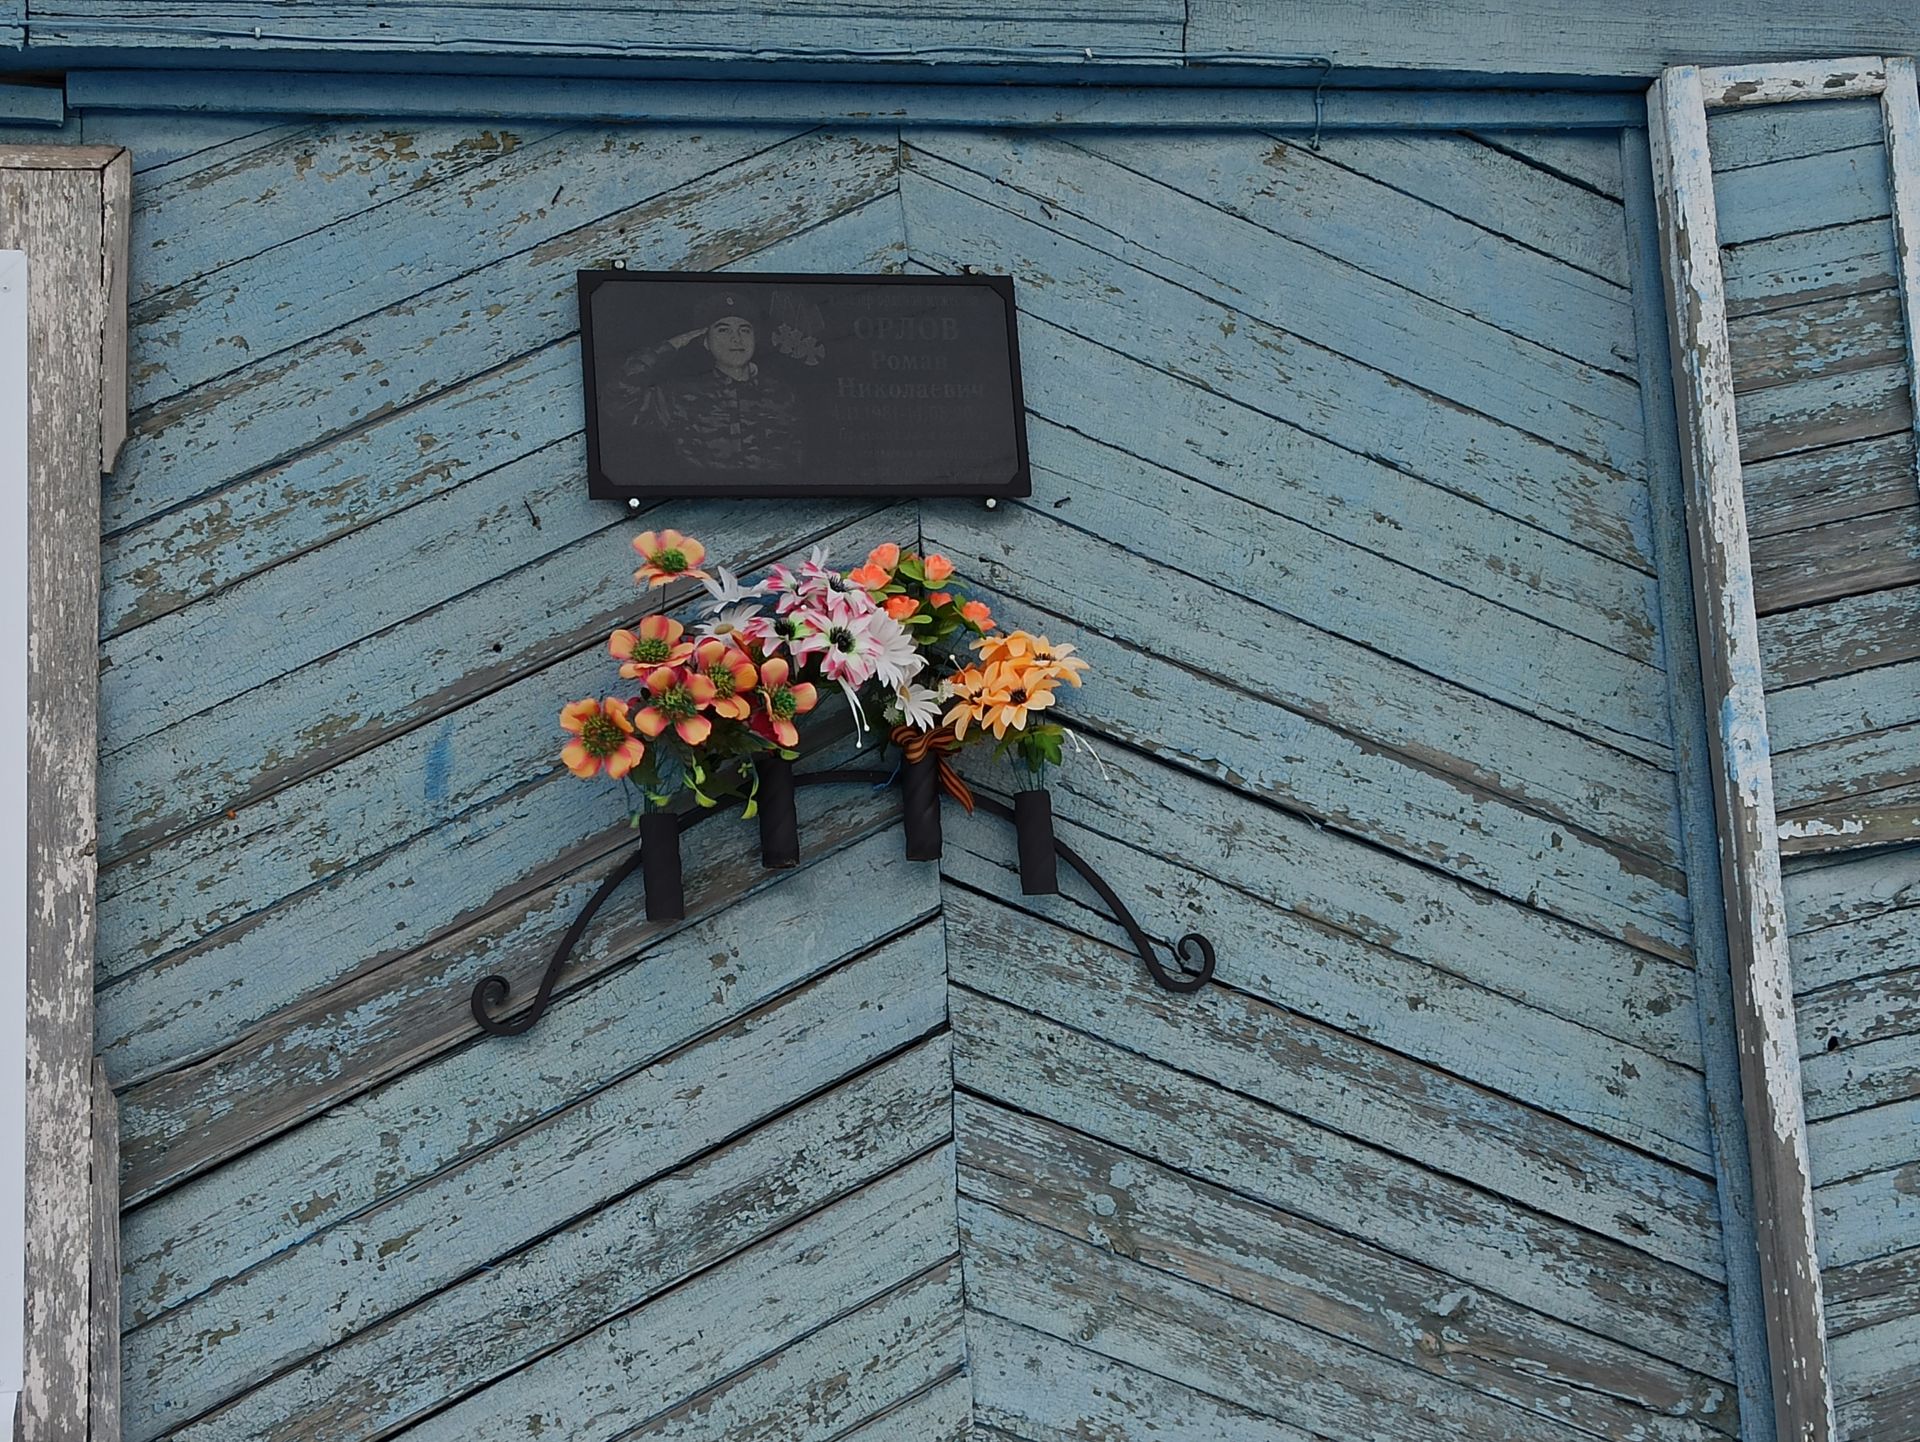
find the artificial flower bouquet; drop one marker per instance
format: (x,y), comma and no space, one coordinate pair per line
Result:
(899,638)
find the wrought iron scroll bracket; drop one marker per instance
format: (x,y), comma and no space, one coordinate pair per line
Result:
(1192,955)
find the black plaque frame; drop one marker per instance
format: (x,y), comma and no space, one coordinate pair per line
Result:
(600,486)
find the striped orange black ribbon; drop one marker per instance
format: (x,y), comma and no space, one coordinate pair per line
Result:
(917,745)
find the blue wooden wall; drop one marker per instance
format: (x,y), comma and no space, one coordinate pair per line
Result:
(1827,445)
(1344,483)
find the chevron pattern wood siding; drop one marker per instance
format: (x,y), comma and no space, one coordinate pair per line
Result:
(1827,445)
(1341,483)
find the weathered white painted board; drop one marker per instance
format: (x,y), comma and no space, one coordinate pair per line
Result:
(51,207)
(1784,80)
(1743,781)
(1902,105)
(13,831)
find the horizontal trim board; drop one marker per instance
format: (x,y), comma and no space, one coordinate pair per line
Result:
(1772,84)
(22,104)
(339,93)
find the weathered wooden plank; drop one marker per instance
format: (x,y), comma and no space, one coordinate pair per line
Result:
(1291,190)
(849,1373)
(1033,1387)
(1264,1363)
(1824,337)
(1135,227)
(1133,817)
(1076,389)
(1860,1142)
(1843,706)
(1872,1215)
(1638,37)
(1841,637)
(273,410)
(166,146)
(1809,266)
(1069,1183)
(1863,554)
(1589,161)
(1853,890)
(1542,670)
(619,1258)
(208,327)
(1294,758)
(103,1302)
(1877,1007)
(1866,947)
(1265,1154)
(1348,667)
(925,29)
(1877,1376)
(1843,773)
(1826,410)
(289,1188)
(1858,478)
(942,1413)
(1776,82)
(645,1364)
(402,460)
(1248,1044)
(312,1296)
(1232,446)
(1882,818)
(1687,192)
(1867,1294)
(1739,137)
(276,1077)
(1813,192)
(895,100)
(1876,1073)
(301,182)
(1217,348)
(55,217)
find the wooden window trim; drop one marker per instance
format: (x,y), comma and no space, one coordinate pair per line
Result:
(67,208)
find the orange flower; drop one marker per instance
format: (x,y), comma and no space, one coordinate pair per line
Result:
(782,702)
(997,650)
(870,577)
(668,556)
(656,643)
(606,738)
(977,614)
(1058,661)
(886,556)
(998,697)
(938,568)
(901,607)
(731,675)
(676,698)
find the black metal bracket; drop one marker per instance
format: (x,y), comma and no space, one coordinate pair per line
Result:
(1193,959)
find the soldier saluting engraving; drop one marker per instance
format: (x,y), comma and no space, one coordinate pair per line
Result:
(730,416)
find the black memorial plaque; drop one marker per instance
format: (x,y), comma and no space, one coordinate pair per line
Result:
(801,385)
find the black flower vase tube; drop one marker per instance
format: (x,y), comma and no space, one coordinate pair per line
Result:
(920,807)
(660,866)
(1033,832)
(779,825)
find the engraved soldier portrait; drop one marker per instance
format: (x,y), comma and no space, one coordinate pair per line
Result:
(707,392)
